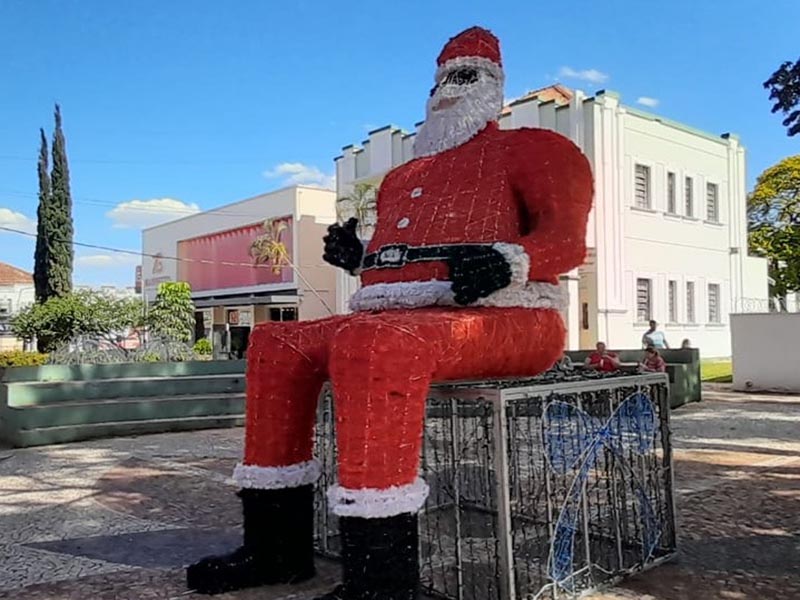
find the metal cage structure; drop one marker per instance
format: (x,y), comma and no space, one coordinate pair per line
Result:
(540,488)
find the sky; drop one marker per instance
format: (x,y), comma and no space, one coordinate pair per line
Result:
(180,106)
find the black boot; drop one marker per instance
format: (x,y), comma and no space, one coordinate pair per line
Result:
(278,544)
(380,559)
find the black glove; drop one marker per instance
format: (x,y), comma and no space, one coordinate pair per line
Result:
(342,246)
(476,272)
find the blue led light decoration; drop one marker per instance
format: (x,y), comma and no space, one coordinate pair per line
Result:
(573,442)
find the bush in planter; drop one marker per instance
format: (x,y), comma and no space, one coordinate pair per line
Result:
(18,358)
(203,347)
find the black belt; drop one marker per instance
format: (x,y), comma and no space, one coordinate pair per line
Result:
(393,256)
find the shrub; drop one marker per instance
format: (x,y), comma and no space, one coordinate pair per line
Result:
(18,358)
(202,347)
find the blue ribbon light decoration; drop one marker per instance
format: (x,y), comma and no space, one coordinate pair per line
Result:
(572,440)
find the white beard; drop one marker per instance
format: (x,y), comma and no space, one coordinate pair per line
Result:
(479,103)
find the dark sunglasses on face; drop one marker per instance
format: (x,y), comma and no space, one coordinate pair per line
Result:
(463,76)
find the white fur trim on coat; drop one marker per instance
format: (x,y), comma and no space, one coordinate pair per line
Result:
(274,478)
(518,259)
(470,61)
(417,294)
(371,503)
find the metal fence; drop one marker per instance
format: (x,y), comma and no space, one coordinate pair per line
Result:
(540,488)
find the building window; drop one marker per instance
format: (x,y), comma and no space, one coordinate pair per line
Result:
(690,302)
(713,303)
(283,314)
(671,204)
(672,301)
(689,197)
(643,300)
(585,315)
(712,202)
(642,186)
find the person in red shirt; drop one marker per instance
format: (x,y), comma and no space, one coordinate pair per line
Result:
(653,362)
(602,359)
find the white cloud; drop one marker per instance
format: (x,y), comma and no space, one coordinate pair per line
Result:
(298,173)
(648,101)
(138,214)
(16,220)
(590,75)
(107,261)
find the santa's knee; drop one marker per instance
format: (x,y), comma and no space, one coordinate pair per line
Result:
(372,347)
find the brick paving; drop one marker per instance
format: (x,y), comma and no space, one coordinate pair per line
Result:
(117,519)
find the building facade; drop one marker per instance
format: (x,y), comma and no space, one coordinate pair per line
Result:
(667,237)
(247,262)
(16,292)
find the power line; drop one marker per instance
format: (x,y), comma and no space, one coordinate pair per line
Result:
(284,256)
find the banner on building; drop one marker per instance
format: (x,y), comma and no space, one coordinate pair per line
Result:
(253,255)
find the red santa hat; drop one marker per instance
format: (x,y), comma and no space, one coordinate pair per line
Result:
(474,47)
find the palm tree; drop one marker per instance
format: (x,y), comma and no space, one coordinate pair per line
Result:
(361,204)
(269,247)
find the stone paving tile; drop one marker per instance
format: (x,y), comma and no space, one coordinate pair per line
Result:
(22,566)
(80,519)
(147,490)
(83,514)
(151,584)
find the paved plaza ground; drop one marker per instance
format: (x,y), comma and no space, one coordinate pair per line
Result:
(117,519)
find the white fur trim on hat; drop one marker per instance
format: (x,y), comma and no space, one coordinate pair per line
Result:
(274,478)
(470,61)
(372,503)
(417,294)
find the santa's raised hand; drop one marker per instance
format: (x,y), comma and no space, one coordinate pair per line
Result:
(342,246)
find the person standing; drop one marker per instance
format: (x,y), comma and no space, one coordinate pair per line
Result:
(654,337)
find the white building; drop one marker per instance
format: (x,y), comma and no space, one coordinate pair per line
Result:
(667,236)
(112,291)
(255,260)
(16,292)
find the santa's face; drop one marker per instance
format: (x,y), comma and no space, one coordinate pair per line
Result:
(463,101)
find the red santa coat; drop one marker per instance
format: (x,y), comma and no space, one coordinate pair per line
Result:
(527,191)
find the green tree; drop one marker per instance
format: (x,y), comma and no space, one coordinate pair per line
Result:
(172,315)
(361,204)
(784,89)
(59,219)
(64,318)
(773,211)
(40,257)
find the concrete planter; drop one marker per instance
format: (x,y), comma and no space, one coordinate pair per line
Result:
(59,403)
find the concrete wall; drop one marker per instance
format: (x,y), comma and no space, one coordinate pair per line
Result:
(317,286)
(765,355)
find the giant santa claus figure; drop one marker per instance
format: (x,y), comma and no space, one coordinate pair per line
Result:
(459,281)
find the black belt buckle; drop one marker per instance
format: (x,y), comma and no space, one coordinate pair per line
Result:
(392,255)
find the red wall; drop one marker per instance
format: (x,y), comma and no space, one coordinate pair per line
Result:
(203,259)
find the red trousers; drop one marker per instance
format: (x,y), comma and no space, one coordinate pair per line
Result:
(381,366)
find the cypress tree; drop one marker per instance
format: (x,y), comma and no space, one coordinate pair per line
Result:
(59,243)
(40,257)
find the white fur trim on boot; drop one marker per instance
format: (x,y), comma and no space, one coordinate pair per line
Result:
(518,259)
(274,478)
(371,503)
